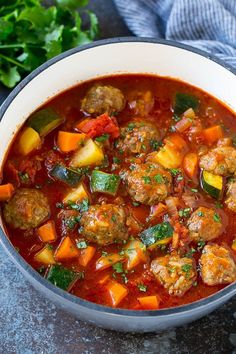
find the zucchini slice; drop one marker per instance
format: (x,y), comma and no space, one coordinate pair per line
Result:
(44,121)
(104,182)
(184,101)
(66,175)
(212,184)
(62,277)
(156,234)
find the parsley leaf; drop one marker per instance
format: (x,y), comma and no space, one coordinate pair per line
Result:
(118,267)
(142,287)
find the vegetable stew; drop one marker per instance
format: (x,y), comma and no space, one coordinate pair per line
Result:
(122,191)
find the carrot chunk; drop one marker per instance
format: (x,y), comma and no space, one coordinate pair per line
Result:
(213,134)
(108,261)
(6,191)
(66,250)
(86,255)
(47,232)
(67,141)
(151,302)
(190,164)
(117,292)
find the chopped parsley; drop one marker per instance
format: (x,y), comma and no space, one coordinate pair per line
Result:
(184,213)
(200,244)
(158,178)
(200,213)
(176,117)
(155,144)
(60,205)
(104,253)
(24,177)
(186,268)
(82,207)
(125,279)
(113,218)
(116,160)
(146,179)
(131,127)
(118,267)
(82,245)
(217,218)
(175,171)
(136,204)
(194,190)
(72,221)
(102,138)
(190,253)
(142,287)
(218,205)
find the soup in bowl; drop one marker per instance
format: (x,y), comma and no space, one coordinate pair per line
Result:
(119,189)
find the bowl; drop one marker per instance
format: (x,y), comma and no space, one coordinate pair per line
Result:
(102,58)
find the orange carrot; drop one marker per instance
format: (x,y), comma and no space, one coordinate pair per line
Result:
(117,292)
(151,302)
(190,164)
(6,192)
(108,261)
(86,255)
(67,141)
(183,124)
(47,232)
(66,250)
(213,134)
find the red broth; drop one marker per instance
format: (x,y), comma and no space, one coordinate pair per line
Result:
(140,281)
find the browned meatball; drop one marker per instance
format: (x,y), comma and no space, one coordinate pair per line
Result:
(104,224)
(231,195)
(141,102)
(101,99)
(148,183)
(217,265)
(204,224)
(220,161)
(27,209)
(138,137)
(176,274)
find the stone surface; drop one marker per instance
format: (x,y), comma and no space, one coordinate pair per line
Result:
(31,324)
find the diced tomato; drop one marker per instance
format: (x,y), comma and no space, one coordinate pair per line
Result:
(99,126)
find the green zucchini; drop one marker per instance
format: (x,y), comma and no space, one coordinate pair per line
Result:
(66,175)
(62,277)
(156,233)
(212,184)
(184,101)
(44,121)
(104,182)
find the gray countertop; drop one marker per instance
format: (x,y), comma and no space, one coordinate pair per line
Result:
(31,324)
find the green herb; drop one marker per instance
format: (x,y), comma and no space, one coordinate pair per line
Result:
(171,269)
(135,204)
(155,144)
(82,207)
(200,213)
(72,221)
(142,287)
(200,244)
(146,179)
(158,178)
(113,218)
(116,160)
(131,127)
(176,118)
(184,213)
(217,218)
(194,190)
(175,171)
(218,205)
(125,279)
(189,254)
(30,34)
(118,267)
(82,245)
(179,178)
(104,253)
(60,205)
(24,177)
(186,268)
(102,138)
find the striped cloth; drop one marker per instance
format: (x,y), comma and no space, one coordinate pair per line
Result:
(206,24)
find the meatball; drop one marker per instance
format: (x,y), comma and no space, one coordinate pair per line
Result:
(27,209)
(217,265)
(231,195)
(138,137)
(176,274)
(101,99)
(141,102)
(104,224)
(148,183)
(204,224)
(220,161)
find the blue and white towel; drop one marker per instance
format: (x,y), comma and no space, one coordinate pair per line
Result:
(206,24)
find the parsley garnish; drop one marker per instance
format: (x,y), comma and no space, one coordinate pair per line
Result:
(200,244)
(116,160)
(200,213)
(155,144)
(142,287)
(131,127)
(82,207)
(175,171)
(102,138)
(24,177)
(158,178)
(217,218)
(146,179)
(194,190)
(118,267)
(184,212)
(82,245)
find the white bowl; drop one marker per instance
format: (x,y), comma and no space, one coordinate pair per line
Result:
(102,58)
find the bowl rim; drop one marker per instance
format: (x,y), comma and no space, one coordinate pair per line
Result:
(20,261)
